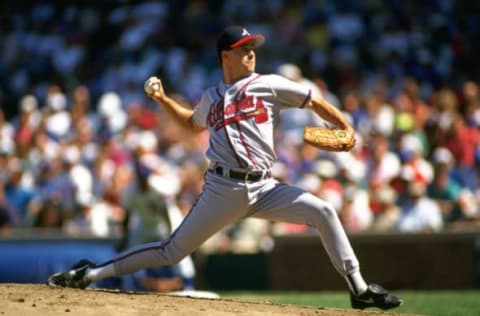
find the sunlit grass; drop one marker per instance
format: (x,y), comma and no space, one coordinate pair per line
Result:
(441,303)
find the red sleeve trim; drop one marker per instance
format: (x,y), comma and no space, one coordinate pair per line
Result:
(307,99)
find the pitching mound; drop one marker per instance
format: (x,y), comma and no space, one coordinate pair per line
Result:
(42,300)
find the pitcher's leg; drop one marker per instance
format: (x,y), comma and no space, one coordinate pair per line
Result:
(291,204)
(206,218)
(215,208)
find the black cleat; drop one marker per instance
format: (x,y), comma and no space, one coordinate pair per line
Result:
(375,296)
(75,277)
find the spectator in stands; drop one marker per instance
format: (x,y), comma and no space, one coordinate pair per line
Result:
(107,216)
(7,143)
(387,212)
(26,124)
(463,141)
(419,213)
(355,212)
(80,223)
(17,196)
(353,106)
(383,165)
(79,175)
(113,118)
(58,120)
(445,191)
(50,215)
(413,162)
(147,210)
(330,188)
(81,110)
(415,105)
(470,104)
(54,183)
(381,114)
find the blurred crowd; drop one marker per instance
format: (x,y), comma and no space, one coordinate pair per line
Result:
(81,146)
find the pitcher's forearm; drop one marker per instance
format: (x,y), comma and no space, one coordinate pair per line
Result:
(329,113)
(180,114)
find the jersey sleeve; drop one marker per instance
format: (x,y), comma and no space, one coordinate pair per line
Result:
(286,93)
(200,111)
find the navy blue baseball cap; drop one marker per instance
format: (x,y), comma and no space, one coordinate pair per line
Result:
(236,35)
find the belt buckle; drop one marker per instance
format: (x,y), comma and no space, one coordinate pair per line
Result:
(247,174)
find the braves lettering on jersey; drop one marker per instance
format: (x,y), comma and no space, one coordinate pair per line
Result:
(241,118)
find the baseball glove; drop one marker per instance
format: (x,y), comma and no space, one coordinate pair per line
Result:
(329,139)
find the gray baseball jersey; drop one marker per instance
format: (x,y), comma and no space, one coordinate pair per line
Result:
(240,118)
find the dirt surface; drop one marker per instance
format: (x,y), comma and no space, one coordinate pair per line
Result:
(37,299)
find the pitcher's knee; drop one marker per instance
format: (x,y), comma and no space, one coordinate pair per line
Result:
(174,257)
(325,213)
(329,210)
(171,253)
(171,260)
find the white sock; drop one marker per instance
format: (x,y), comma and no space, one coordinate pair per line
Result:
(102,272)
(356,283)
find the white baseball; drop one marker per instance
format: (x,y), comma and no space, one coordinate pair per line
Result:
(150,87)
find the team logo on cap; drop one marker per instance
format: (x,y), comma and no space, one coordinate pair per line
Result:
(245,32)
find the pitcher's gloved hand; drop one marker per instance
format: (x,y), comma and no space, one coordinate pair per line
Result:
(329,139)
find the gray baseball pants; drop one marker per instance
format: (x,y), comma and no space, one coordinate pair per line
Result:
(224,201)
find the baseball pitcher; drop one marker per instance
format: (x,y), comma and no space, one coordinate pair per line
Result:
(239,113)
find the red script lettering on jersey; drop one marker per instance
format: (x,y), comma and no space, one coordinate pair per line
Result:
(242,109)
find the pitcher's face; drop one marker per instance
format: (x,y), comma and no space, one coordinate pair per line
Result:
(240,60)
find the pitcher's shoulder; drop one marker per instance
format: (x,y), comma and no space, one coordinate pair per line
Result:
(270,78)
